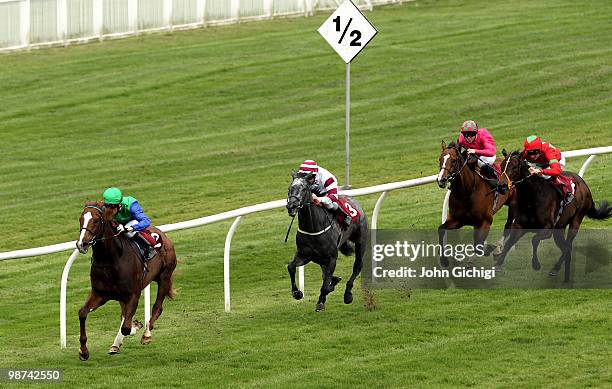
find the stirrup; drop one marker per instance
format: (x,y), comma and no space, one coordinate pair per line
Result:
(150,253)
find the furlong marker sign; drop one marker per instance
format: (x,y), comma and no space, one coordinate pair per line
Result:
(348,32)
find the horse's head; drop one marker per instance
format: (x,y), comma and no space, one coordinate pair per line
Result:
(514,168)
(451,163)
(299,192)
(92,221)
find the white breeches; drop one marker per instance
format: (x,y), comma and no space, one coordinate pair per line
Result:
(129,224)
(488,160)
(327,203)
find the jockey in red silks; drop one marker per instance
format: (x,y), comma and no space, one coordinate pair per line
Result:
(546,161)
(479,142)
(324,188)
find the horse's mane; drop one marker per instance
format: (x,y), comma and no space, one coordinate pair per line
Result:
(452,145)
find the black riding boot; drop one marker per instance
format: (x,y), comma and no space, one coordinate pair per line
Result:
(149,251)
(347,219)
(491,177)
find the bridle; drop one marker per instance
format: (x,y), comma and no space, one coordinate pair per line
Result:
(452,175)
(305,201)
(505,171)
(99,225)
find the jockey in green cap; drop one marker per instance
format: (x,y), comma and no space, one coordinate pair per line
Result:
(131,217)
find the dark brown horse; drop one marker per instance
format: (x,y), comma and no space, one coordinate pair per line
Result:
(472,201)
(538,209)
(117,273)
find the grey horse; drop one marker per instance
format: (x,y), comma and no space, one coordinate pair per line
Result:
(320,236)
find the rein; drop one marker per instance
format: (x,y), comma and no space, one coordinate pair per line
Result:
(505,174)
(454,175)
(303,203)
(96,240)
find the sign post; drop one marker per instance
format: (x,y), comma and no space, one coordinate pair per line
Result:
(348,32)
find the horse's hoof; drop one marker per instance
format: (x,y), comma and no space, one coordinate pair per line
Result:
(552,273)
(145,340)
(489,249)
(348,298)
(320,307)
(470,263)
(137,324)
(298,295)
(113,350)
(536,265)
(83,356)
(444,262)
(497,268)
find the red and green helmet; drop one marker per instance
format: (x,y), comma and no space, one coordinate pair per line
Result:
(533,142)
(469,126)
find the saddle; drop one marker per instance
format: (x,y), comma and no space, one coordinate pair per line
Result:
(564,184)
(148,244)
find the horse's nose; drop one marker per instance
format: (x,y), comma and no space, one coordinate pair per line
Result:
(290,210)
(82,248)
(442,183)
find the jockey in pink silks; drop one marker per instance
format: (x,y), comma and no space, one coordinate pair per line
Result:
(480,143)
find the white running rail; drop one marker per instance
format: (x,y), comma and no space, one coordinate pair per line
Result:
(42,23)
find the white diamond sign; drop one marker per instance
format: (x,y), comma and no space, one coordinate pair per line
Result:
(347,31)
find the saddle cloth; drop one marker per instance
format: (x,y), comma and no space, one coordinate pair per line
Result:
(564,184)
(348,210)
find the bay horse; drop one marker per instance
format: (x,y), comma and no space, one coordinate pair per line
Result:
(472,202)
(320,236)
(537,208)
(117,273)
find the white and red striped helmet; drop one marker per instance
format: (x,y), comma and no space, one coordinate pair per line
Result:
(309,166)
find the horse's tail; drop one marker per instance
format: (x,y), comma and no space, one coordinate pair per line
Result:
(171,292)
(347,248)
(602,213)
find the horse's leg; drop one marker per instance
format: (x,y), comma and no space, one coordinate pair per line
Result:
(516,232)
(574,226)
(480,236)
(449,224)
(119,338)
(130,310)
(535,242)
(93,301)
(559,236)
(164,288)
(357,265)
(326,286)
(571,234)
(500,243)
(291,267)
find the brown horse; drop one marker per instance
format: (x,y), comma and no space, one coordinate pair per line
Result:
(538,208)
(117,273)
(472,201)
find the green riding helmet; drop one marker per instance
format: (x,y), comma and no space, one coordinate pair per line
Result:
(112,196)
